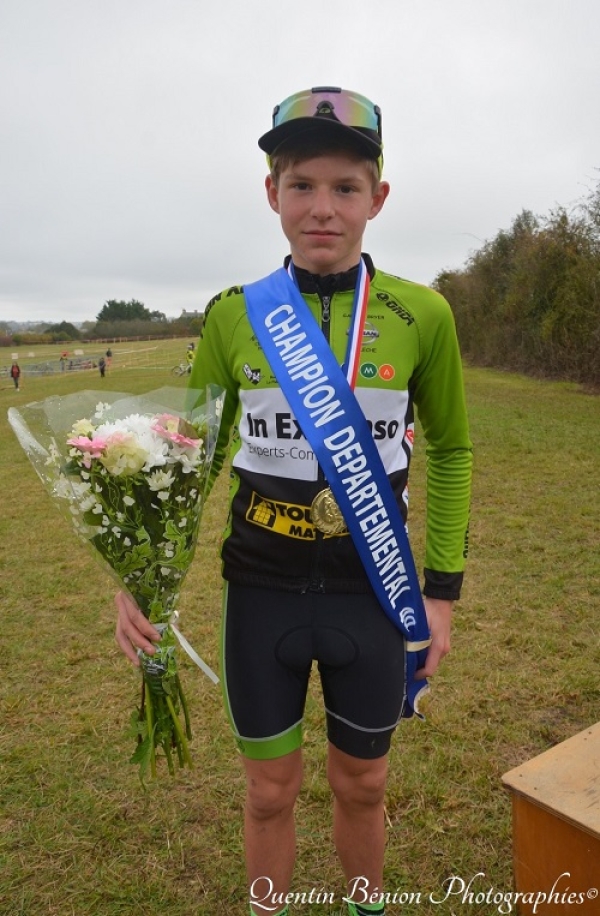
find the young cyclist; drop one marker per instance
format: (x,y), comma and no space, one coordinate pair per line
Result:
(303,550)
(190,353)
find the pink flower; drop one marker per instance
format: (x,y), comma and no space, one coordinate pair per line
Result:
(90,448)
(94,447)
(173,429)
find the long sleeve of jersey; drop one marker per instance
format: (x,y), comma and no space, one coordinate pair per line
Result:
(440,401)
(211,368)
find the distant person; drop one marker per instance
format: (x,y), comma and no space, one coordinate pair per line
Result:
(15,373)
(108,356)
(102,366)
(190,353)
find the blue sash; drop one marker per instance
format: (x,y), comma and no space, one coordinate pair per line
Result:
(331,419)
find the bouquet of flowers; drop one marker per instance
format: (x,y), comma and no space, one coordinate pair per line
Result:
(131,473)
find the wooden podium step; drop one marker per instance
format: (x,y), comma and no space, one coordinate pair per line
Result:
(556,828)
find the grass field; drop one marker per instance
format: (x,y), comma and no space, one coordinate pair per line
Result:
(44,360)
(78,835)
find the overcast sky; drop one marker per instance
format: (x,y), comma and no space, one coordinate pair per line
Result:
(129,166)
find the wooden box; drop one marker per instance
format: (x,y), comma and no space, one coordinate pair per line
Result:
(556,828)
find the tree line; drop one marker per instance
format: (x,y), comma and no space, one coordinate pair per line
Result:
(529,299)
(116,318)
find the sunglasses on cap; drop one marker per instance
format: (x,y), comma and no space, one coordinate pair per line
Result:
(349,108)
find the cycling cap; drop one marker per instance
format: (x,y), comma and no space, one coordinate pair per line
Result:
(326,108)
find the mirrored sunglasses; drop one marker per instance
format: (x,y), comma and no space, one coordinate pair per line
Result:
(350,108)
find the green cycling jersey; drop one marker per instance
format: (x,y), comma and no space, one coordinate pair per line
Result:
(409,359)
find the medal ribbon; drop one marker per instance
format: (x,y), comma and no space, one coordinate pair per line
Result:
(321,398)
(357,321)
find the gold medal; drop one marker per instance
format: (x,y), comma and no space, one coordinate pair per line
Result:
(326,514)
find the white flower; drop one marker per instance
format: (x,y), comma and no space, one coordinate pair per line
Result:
(53,454)
(83,428)
(138,429)
(80,488)
(101,408)
(88,503)
(161,480)
(129,501)
(185,462)
(62,488)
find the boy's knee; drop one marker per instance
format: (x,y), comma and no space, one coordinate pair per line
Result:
(270,793)
(265,800)
(361,784)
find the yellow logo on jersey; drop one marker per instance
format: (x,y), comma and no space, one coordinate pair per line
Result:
(287,519)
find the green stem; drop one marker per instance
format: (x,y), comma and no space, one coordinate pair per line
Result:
(168,755)
(177,744)
(186,712)
(150,724)
(180,734)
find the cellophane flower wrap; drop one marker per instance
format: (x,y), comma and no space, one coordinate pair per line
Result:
(131,473)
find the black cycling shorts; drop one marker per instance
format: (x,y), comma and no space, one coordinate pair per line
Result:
(269,642)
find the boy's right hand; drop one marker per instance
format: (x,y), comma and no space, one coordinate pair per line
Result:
(133,630)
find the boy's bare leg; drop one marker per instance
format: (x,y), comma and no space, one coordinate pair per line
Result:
(272,787)
(358,815)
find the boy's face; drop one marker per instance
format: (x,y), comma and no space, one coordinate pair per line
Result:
(324,205)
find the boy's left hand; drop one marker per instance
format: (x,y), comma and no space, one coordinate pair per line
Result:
(439,618)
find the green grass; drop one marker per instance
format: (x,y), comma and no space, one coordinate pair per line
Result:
(77,833)
(38,360)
